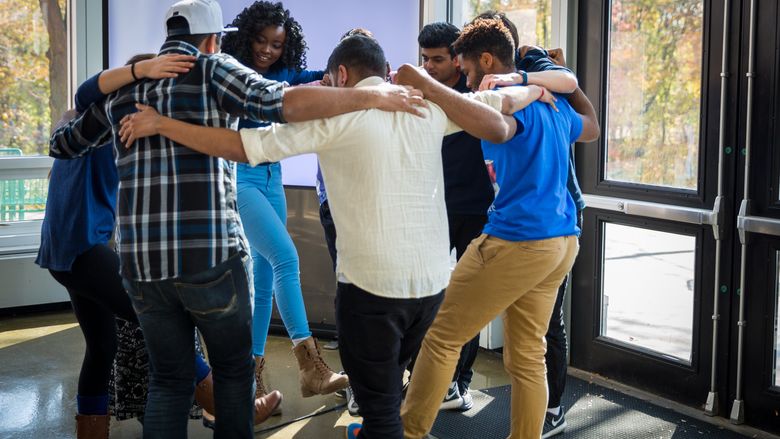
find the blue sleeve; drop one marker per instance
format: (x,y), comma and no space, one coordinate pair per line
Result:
(306,76)
(520,118)
(575,126)
(88,94)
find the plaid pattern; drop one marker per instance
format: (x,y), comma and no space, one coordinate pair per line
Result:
(177,210)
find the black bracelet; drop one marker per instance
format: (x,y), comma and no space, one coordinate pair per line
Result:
(132,71)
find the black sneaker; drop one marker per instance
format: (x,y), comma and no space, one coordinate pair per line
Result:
(554,424)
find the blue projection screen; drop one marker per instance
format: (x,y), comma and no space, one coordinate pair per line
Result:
(138,27)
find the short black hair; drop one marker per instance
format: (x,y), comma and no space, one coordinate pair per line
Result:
(361,54)
(486,35)
(436,35)
(504,19)
(180,23)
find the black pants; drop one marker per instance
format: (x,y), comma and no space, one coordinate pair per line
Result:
(377,337)
(97,295)
(557,346)
(555,357)
(463,230)
(330,230)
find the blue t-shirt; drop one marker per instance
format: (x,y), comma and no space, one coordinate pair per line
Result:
(537,60)
(531,172)
(81,205)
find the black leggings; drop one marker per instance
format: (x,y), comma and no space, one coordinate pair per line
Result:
(97,295)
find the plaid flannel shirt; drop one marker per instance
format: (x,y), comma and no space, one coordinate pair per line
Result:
(177,211)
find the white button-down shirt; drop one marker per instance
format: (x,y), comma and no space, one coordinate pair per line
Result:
(385,185)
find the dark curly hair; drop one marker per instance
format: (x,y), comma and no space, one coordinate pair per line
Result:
(486,35)
(252,20)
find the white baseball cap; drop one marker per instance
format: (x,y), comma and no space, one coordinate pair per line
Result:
(203,17)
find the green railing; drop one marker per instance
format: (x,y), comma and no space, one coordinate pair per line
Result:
(19,198)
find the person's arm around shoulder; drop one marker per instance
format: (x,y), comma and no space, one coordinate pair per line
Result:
(267,144)
(474,117)
(160,67)
(243,93)
(97,87)
(91,129)
(581,104)
(514,99)
(218,142)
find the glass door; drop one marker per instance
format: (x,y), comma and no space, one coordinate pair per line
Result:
(643,286)
(755,347)
(677,285)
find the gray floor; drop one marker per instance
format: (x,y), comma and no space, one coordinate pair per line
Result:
(40,358)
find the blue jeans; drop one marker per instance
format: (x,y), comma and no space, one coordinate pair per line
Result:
(217,302)
(263,210)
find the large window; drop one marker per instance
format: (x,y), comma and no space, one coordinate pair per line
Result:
(533,18)
(33,94)
(648,289)
(654,92)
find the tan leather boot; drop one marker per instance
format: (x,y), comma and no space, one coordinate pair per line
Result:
(315,376)
(260,389)
(264,408)
(92,426)
(204,393)
(266,405)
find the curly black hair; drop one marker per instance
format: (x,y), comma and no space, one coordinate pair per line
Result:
(252,20)
(486,35)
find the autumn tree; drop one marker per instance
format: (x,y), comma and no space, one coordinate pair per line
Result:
(654,93)
(33,71)
(533,18)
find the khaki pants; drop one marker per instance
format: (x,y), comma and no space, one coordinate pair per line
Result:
(519,279)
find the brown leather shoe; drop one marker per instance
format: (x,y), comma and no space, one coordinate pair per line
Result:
(260,389)
(315,377)
(204,393)
(264,408)
(92,426)
(266,405)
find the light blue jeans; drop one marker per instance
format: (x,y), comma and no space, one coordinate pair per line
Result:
(263,210)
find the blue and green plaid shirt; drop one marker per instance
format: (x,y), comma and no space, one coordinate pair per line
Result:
(177,210)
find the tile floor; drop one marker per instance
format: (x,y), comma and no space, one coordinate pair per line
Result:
(40,357)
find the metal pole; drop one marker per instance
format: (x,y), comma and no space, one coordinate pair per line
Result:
(711,407)
(738,408)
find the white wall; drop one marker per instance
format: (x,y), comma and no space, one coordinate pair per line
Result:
(138,26)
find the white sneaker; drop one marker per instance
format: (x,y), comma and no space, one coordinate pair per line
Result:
(352,406)
(453,400)
(468,401)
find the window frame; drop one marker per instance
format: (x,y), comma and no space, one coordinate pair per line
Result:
(85,57)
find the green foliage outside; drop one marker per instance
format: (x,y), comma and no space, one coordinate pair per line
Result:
(25,95)
(533,18)
(654,92)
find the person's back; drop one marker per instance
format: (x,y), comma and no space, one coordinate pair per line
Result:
(198,187)
(177,212)
(531,171)
(387,198)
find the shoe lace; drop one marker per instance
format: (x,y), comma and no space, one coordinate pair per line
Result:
(319,362)
(259,382)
